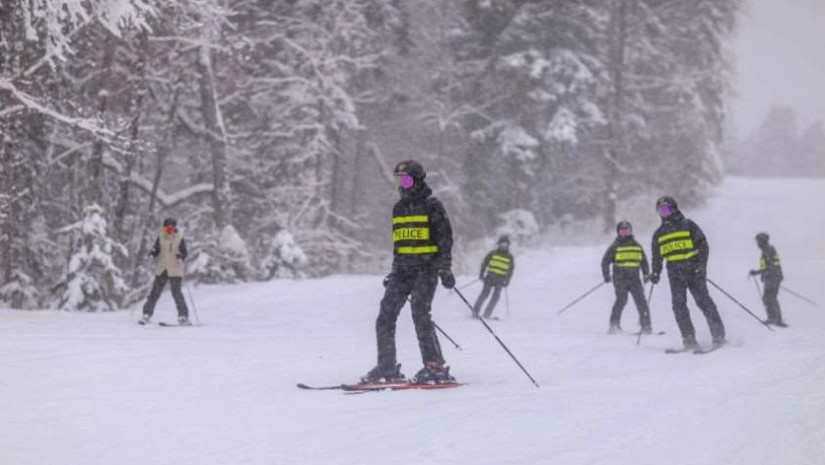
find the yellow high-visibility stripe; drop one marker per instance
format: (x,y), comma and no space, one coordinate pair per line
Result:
(681,257)
(674,235)
(497,271)
(636,256)
(763,265)
(685,244)
(628,265)
(417,250)
(411,234)
(499,257)
(410,219)
(492,266)
(629,248)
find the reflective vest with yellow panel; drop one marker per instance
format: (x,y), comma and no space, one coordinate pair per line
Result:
(677,246)
(499,264)
(411,236)
(628,256)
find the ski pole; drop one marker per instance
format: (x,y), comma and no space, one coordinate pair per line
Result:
(409,299)
(740,304)
(758,289)
(581,297)
(497,339)
(194,308)
(798,295)
(649,299)
(446,335)
(470,283)
(507,301)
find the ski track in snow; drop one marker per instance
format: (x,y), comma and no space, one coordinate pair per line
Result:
(85,389)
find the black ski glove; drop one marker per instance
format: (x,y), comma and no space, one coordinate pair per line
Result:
(646,278)
(753,272)
(607,278)
(447,278)
(387,280)
(654,278)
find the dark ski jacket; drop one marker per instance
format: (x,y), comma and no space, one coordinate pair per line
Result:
(422,235)
(624,267)
(499,278)
(684,246)
(770,267)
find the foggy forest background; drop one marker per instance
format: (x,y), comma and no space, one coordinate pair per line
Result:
(269,129)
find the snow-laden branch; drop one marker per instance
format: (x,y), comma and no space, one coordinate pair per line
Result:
(164,199)
(31,103)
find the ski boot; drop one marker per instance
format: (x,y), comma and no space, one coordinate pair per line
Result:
(719,342)
(433,373)
(144,320)
(614,329)
(689,342)
(380,375)
(184,321)
(647,330)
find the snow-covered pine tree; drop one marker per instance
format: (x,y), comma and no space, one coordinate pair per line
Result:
(93,282)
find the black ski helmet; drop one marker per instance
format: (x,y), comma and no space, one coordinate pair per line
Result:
(504,239)
(170,221)
(624,224)
(762,238)
(412,168)
(666,199)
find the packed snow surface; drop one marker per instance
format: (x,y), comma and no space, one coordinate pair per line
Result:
(81,388)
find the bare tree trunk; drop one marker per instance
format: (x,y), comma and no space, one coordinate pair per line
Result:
(9,64)
(163,150)
(95,187)
(6,203)
(134,149)
(216,138)
(617,36)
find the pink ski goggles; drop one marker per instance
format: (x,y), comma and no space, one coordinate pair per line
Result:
(665,210)
(625,232)
(404,180)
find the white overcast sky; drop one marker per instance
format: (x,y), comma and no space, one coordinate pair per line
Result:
(780,59)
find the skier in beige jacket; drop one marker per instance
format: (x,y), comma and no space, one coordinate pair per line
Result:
(170,251)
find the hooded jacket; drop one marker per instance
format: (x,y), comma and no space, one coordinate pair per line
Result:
(623,265)
(422,234)
(679,241)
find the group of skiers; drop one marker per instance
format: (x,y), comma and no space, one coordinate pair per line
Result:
(681,243)
(422,255)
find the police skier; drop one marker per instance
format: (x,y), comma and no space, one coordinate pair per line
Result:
(422,248)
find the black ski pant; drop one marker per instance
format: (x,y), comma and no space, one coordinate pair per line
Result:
(419,284)
(696,282)
(770,299)
(490,283)
(636,289)
(157,289)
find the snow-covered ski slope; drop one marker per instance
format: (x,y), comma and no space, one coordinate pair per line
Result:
(86,389)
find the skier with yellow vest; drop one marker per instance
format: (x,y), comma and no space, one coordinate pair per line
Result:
(170,250)
(496,271)
(770,271)
(681,243)
(627,257)
(422,253)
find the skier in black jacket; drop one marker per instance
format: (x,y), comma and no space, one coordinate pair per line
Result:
(498,266)
(770,270)
(423,241)
(684,246)
(627,256)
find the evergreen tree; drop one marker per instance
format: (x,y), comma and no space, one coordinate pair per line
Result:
(93,283)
